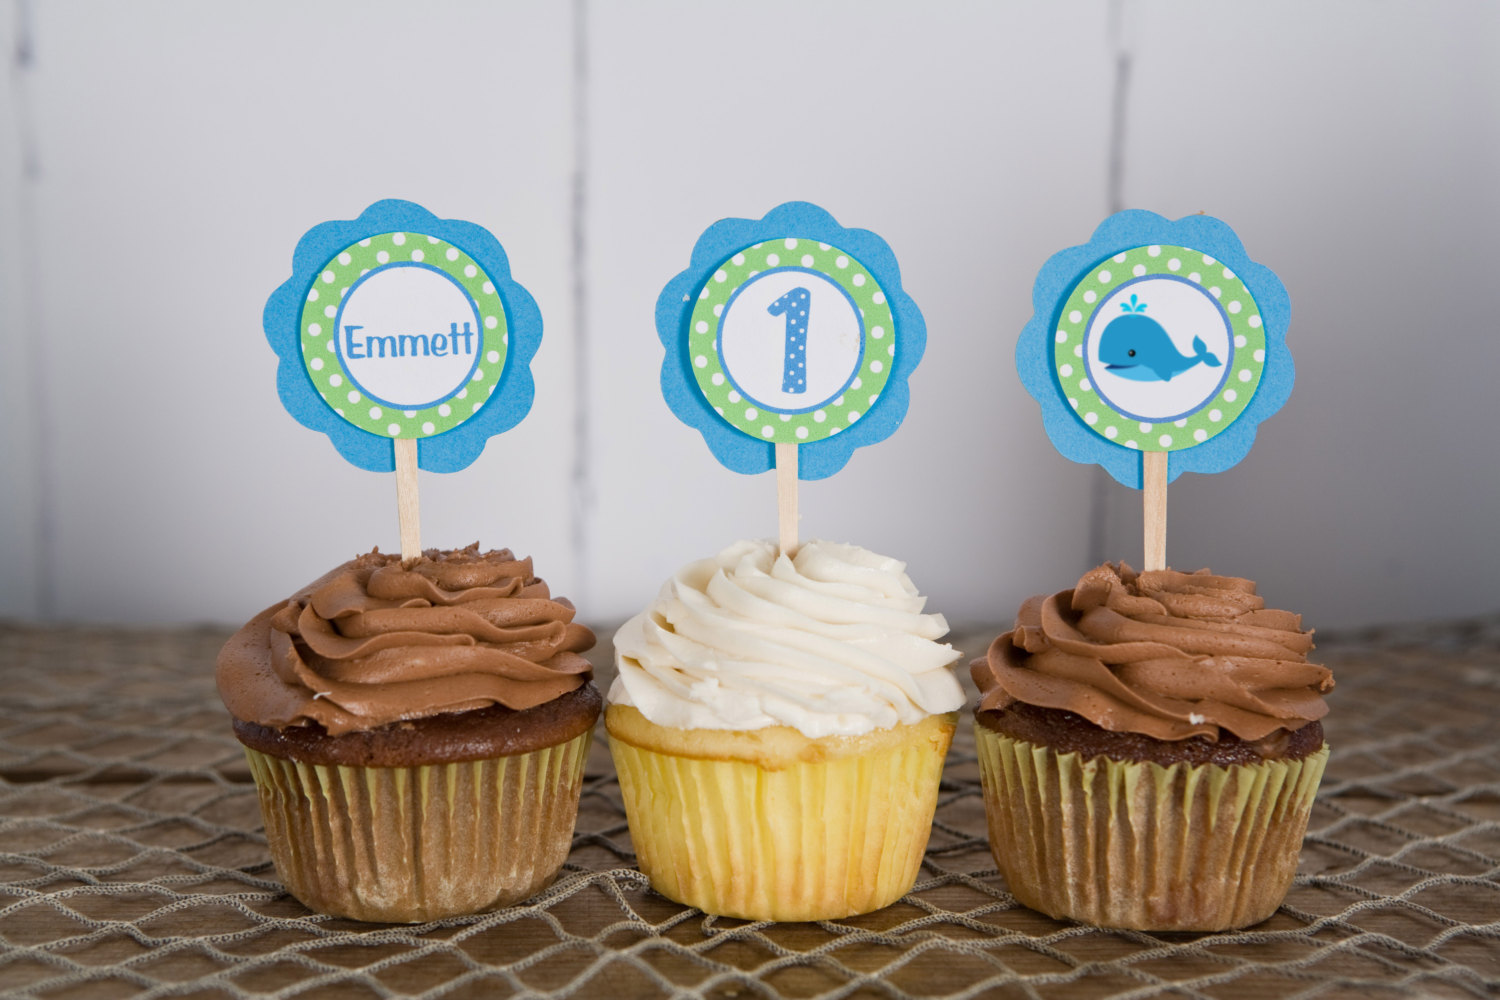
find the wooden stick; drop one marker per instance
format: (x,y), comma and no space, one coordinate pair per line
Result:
(786,498)
(406,498)
(1154,476)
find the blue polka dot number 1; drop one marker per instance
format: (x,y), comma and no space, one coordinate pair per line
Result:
(791,340)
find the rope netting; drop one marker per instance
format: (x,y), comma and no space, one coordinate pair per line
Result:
(132,864)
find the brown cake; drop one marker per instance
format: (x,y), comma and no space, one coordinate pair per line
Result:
(1149,749)
(417,733)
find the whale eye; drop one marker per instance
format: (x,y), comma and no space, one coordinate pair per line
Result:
(1131,352)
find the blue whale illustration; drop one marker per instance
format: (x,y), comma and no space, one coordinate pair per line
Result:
(1135,346)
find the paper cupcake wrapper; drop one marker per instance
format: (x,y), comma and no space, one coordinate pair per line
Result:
(1143,846)
(411,844)
(811,841)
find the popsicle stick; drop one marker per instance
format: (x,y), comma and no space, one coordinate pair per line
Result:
(786,498)
(406,498)
(1154,482)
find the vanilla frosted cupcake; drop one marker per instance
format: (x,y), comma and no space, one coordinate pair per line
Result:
(1150,746)
(416,732)
(779,727)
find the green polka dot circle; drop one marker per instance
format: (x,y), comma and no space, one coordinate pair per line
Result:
(1159,348)
(791,340)
(403,335)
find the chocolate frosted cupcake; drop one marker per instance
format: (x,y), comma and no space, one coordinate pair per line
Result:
(417,733)
(1149,747)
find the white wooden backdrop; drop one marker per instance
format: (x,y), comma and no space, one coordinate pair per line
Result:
(158,161)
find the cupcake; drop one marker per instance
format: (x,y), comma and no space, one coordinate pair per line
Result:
(416,732)
(779,727)
(1149,749)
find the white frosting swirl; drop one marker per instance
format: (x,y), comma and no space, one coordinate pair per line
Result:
(832,643)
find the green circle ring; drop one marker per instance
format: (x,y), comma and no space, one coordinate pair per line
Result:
(1217,412)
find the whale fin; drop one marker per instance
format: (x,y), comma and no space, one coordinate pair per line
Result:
(1200,353)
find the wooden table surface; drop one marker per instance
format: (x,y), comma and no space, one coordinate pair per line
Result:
(132,864)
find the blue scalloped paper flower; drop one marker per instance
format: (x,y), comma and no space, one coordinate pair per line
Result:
(1061,274)
(733,448)
(446,452)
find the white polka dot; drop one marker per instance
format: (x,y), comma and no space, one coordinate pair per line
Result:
(445,410)
(701,326)
(470,270)
(1215,415)
(738,258)
(802,432)
(717,378)
(820,416)
(877,332)
(859,280)
(428,427)
(1200,435)
(1119,258)
(1228,274)
(316,364)
(476,406)
(418,256)
(327,277)
(1065,371)
(1230,395)
(1105,277)
(1180,423)
(365,242)
(1073,402)
(452,253)
(410,413)
(375,412)
(1208,260)
(1078,351)
(751,413)
(393,430)
(331,344)
(381,257)
(767,431)
(878,298)
(719,410)
(1216,291)
(1259,356)
(343,292)
(493,357)
(719,309)
(1164,440)
(858,383)
(314,329)
(463,393)
(1084,385)
(1074,316)
(1255,322)
(1138,270)
(1234,307)
(1089,296)
(1196,278)
(399,239)
(1153,251)
(791,244)
(478,375)
(773,260)
(1111,432)
(700,362)
(354,396)
(891,350)
(335,380)
(1244,374)
(853,415)
(1240,341)
(488,288)
(1091,418)
(841,261)
(1145,428)
(490,322)
(1062,336)
(786,417)
(1131,444)
(839,401)
(807,260)
(1174,264)
(330,312)
(312,295)
(720,275)
(344,258)
(877,367)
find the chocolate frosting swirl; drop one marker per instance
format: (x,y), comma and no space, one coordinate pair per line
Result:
(375,642)
(1165,654)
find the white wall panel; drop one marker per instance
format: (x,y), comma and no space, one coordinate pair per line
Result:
(1355,147)
(185,148)
(971,137)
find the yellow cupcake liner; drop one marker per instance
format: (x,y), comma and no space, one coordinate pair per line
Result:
(812,840)
(412,844)
(1141,845)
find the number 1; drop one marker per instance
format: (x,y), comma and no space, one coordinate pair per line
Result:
(794,305)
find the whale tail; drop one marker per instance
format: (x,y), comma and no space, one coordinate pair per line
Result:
(1201,353)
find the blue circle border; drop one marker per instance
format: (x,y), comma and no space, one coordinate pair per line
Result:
(453,449)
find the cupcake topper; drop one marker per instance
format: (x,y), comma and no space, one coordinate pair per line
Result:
(403,338)
(788,345)
(1155,349)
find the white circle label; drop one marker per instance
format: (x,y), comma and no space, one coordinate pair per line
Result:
(408,336)
(1158,349)
(791,340)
